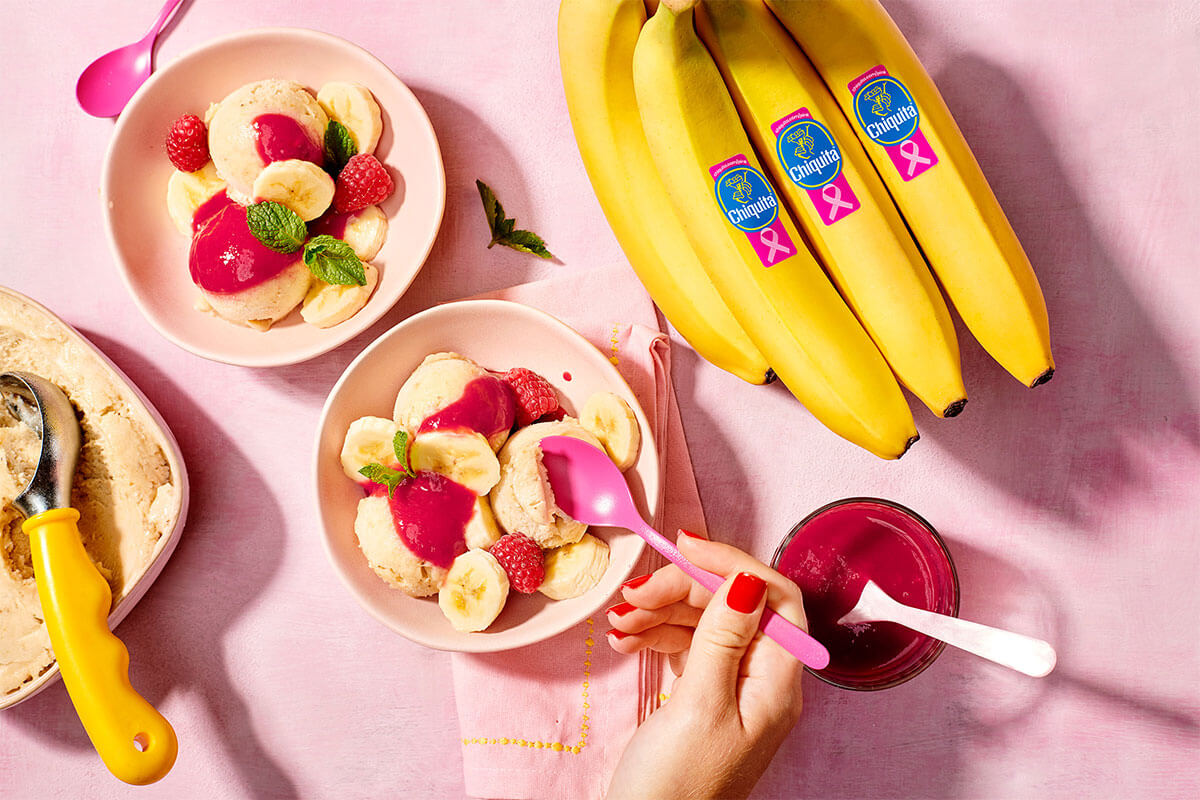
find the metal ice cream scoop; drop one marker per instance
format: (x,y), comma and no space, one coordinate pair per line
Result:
(136,743)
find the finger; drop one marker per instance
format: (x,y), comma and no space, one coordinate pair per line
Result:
(726,628)
(783,596)
(660,588)
(628,618)
(669,639)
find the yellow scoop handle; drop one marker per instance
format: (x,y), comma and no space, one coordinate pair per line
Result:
(136,743)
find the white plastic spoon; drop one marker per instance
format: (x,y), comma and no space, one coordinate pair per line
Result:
(1013,650)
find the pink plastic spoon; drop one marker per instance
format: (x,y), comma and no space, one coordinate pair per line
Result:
(589,488)
(107,84)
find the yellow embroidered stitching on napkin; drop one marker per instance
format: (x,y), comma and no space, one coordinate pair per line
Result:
(558,747)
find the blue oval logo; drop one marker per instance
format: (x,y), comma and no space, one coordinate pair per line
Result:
(886,111)
(809,154)
(747,199)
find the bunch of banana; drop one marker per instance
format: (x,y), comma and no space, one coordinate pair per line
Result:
(596,40)
(751,250)
(836,196)
(908,132)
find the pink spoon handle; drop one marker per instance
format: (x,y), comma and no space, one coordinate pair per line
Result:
(808,650)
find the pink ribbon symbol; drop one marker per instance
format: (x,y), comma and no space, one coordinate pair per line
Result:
(773,243)
(832,194)
(913,155)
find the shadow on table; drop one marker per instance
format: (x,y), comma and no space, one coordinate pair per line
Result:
(462,240)
(1072,444)
(175,634)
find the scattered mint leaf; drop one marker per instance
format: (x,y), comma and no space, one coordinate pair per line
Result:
(339,147)
(333,261)
(276,226)
(527,242)
(378,473)
(400,444)
(502,226)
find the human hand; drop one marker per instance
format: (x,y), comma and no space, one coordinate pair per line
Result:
(737,694)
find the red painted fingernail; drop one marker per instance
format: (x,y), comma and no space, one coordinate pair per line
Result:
(621,609)
(745,592)
(616,634)
(634,583)
(689,533)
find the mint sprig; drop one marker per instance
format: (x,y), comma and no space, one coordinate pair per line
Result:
(502,226)
(276,226)
(339,148)
(387,476)
(333,261)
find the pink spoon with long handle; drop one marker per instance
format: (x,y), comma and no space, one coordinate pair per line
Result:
(108,82)
(589,488)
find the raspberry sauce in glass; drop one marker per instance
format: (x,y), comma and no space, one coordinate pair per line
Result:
(486,406)
(278,137)
(431,513)
(831,555)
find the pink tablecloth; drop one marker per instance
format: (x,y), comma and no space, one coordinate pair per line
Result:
(1071,510)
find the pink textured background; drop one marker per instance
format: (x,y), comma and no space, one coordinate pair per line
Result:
(1071,510)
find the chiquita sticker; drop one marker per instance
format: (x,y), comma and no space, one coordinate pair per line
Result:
(887,113)
(813,161)
(749,203)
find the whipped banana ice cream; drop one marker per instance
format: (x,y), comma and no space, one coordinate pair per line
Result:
(522,500)
(260,123)
(124,489)
(387,554)
(450,392)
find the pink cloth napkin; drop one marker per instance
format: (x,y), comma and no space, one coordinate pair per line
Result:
(551,720)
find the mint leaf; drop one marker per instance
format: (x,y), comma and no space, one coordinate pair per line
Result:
(276,226)
(400,444)
(333,261)
(385,475)
(502,227)
(527,242)
(491,206)
(339,147)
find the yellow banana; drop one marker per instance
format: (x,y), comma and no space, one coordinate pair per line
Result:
(907,130)
(837,198)
(750,247)
(596,40)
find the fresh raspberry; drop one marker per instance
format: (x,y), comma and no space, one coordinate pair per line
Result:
(535,395)
(361,183)
(522,560)
(187,143)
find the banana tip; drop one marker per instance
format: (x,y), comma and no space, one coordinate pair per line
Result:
(908,445)
(955,408)
(770,376)
(1043,378)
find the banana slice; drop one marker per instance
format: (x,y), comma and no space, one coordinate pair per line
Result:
(611,420)
(368,441)
(474,591)
(328,304)
(531,485)
(465,458)
(300,185)
(187,191)
(353,105)
(575,568)
(482,531)
(366,231)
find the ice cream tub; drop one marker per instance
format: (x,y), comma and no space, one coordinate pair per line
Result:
(130,486)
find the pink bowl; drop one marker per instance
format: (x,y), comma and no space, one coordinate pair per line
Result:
(152,255)
(498,335)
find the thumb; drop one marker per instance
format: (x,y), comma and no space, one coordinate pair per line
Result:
(725,630)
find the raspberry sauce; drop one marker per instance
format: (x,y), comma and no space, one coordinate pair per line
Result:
(833,553)
(431,513)
(278,137)
(226,258)
(208,209)
(486,406)
(331,223)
